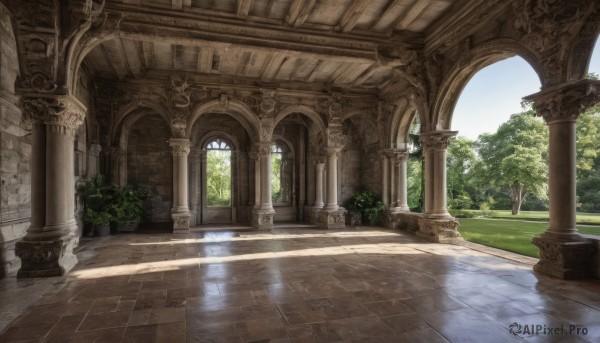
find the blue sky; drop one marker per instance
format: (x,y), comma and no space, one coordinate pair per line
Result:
(495,92)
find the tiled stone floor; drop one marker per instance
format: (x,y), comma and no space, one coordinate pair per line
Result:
(294,285)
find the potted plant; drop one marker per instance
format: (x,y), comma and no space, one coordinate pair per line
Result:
(100,221)
(129,207)
(364,205)
(99,195)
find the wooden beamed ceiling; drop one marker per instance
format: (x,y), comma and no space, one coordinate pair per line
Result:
(330,42)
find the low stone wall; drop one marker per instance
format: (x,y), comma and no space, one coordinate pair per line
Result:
(596,258)
(10,233)
(407,221)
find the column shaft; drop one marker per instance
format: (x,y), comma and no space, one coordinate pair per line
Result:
(59,179)
(319,167)
(385,188)
(332,181)
(266,202)
(439,182)
(180,212)
(401,183)
(562,181)
(428,177)
(38,178)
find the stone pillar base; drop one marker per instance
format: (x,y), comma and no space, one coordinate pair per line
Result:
(439,230)
(565,260)
(263,219)
(314,215)
(332,219)
(46,258)
(181,222)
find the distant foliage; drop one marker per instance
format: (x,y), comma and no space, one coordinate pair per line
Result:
(218,177)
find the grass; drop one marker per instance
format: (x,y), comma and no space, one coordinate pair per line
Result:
(582,218)
(508,234)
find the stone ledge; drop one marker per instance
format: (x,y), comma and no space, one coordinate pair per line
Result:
(444,230)
(332,219)
(565,260)
(46,258)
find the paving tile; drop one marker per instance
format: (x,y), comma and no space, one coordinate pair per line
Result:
(307,285)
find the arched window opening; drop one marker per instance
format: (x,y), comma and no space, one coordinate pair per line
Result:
(280,174)
(218,173)
(415,166)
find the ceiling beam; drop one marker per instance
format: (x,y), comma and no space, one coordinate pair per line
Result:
(177,5)
(243,63)
(272,65)
(387,15)
(119,74)
(299,12)
(410,15)
(353,14)
(132,57)
(243,8)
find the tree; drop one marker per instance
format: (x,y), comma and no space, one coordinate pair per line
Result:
(588,160)
(218,177)
(461,159)
(515,158)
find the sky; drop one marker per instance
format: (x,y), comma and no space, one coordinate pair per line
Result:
(495,92)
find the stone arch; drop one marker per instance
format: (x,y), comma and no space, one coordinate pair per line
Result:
(77,54)
(483,55)
(307,111)
(406,116)
(125,110)
(288,144)
(583,49)
(234,108)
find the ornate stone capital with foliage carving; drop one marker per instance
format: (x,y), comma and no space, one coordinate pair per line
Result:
(263,149)
(63,111)
(180,146)
(436,140)
(395,156)
(566,102)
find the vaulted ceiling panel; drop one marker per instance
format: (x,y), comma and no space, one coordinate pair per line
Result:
(132,55)
(429,15)
(277,9)
(325,70)
(157,3)
(390,14)
(225,5)
(255,65)
(287,69)
(371,14)
(328,12)
(115,55)
(304,68)
(259,8)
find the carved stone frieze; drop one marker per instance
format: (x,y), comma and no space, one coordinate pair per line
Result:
(567,102)
(179,93)
(179,122)
(436,139)
(181,222)
(439,230)
(267,104)
(335,219)
(180,146)
(263,149)
(57,110)
(46,258)
(550,27)
(565,260)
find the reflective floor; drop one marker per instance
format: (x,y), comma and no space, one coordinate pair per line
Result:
(295,285)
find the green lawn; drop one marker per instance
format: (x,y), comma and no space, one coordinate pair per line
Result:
(582,218)
(509,235)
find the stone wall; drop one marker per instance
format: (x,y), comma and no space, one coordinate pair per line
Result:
(150,163)
(15,151)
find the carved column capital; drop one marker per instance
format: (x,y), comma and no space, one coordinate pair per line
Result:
(263,149)
(180,146)
(436,140)
(95,150)
(63,112)
(567,101)
(395,155)
(336,140)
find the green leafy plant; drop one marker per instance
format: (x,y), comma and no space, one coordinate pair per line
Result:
(366,205)
(129,203)
(99,197)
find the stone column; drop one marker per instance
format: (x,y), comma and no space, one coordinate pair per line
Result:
(564,253)
(47,248)
(437,224)
(301,157)
(385,178)
(254,157)
(332,171)
(181,212)
(332,216)
(401,181)
(93,160)
(263,216)
(319,169)
(194,165)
